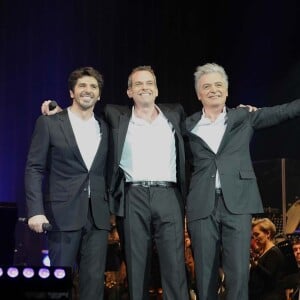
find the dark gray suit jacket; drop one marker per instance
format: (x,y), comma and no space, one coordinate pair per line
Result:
(118,118)
(55,154)
(233,161)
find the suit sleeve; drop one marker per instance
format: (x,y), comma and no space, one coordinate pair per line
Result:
(270,116)
(36,167)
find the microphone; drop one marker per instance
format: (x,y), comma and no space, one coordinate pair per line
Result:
(52,105)
(45,226)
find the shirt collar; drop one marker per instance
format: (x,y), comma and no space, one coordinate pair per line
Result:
(136,120)
(78,119)
(221,117)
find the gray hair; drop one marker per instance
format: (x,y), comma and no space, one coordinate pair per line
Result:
(209,68)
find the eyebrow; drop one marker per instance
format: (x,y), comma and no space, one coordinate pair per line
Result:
(139,81)
(217,82)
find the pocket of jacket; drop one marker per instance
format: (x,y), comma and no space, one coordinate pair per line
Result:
(247,174)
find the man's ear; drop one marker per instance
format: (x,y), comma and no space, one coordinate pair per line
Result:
(129,93)
(71,94)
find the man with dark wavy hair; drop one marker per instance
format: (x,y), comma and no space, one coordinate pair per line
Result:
(69,149)
(146,177)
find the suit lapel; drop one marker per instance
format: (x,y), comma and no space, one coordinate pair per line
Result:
(170,116)
(190,124)
(230,121)
(69,135)
(180,165)
(104,137)
(193,120)
(123,127)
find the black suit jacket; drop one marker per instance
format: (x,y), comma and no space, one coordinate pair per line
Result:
(238,180)
(55,156)
(118,118)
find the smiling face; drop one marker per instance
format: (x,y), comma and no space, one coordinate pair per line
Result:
(85,93)
(143,89)
(212,90)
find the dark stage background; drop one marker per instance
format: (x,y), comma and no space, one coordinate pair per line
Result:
(43,41)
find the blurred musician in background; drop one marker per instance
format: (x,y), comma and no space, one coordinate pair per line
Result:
(267,263)
(294,293)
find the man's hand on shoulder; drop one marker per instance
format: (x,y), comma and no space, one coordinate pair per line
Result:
(50,107)
(250,107)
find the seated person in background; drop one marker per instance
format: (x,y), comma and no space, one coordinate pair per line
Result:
(267,263)
(296,249)
(294,294)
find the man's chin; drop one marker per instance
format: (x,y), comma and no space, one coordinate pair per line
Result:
(86,106)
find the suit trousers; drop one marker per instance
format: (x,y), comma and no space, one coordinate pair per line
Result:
(221,240)
(85,249)
(154,214)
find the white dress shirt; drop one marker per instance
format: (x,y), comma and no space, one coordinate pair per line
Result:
(149,151)
(87,135)
(212,133)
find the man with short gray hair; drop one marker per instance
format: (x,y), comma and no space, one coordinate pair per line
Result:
(223,192)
